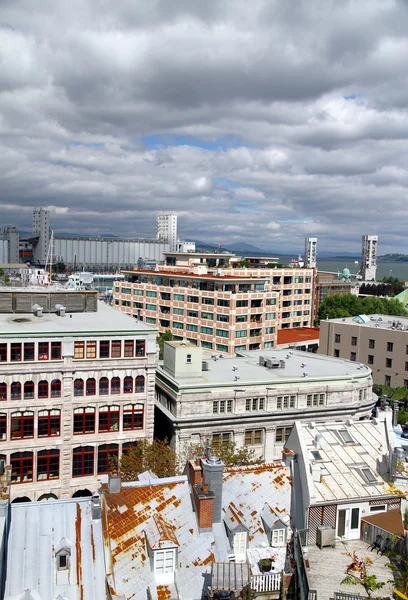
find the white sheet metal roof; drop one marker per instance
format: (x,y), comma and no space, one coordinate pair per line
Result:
(339,469)
(36,531)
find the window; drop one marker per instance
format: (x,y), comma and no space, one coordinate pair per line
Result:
(3,427)
(193,299)
(140,383)
(116,349)
(103,386)
(140,347)
(178,311)
(48,464)
(278,538)
(78,387)
(241,319)
(82,461)
(43,389)
(355,518)
(151,294)
(254,404)
(84,420)
(388,363)
(79,350)
(270,316)
(192,313)
(270,301)
(223,318)
(221,439)
(285,402)
(3,391)
(43,351)
(150,320)
(108,418)
(15,352)
(56,388)
(190,327)
(222,302)
(390,346)
(133,416)
(345,436)
(222,406)
(336,352)
(90,349)
(115,385)
(28,390)
(104,349)
(269,330)
(56,352)
(3,353)
(222,333)
(371,343)
(354,341)
(207,315)
(337,338)
(15,391)
(240,543)
(29,352)
(208,301)
(241,334)
(387,380)
(221,347)
(128,385)
(378,508)
(207,330)
(129,349)
(242,303)
(368,475)
(21,467)
(370,360)
(49,423)
(90,387)
(22,425)
(282,434)
(179,297)
(352,356)
(253,437)
(164,561)
(178,325)
(107,453)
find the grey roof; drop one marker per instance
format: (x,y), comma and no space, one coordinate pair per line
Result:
(37,529)
(249,371)
(341,465)
(106,320)
(375,322)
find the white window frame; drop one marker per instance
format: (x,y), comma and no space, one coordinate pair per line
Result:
(167,557)
(240,546)
(278,538)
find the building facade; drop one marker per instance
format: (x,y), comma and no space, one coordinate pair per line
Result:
(253,399)
(75,391)
(202,298)
(311,252)
(369,257)
(379,341)
(167,230)
(326,284)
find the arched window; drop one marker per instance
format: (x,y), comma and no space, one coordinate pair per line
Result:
(83,461)
(103,386)
(3,391)
(78,387)
(115,385)
(3,427)
(90,387)
(56,388)
(84,420)
(133,416)
(107,454)
(49,423)
(48,464)
(108,418)
(140,383)
(15,392)
(43,389)
(28,390)
(128,385)
(22,425)
(21,467)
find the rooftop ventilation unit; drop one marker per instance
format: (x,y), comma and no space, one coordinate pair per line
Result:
(274,363)
(237,378)
(261,361)
(60,310)
(305,374)
(205,366)
(234,368)
(37,310)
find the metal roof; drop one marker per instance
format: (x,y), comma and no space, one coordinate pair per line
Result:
(37,530)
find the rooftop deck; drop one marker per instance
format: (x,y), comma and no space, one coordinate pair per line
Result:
(327,569)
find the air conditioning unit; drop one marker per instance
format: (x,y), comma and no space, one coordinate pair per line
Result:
(205,366)
(325,536)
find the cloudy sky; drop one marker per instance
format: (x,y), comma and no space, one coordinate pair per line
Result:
(253,120)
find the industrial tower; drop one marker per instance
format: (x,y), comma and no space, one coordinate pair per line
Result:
(310,252)
(369,257)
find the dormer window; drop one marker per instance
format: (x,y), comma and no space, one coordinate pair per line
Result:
(164,561)
(278,538)
(62,562)
(63,555)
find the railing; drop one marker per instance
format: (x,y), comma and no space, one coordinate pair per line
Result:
(305,592)
(266,583)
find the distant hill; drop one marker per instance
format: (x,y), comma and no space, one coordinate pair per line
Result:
(393,258)
(244,247)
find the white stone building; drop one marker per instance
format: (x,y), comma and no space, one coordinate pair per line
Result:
(254,398)
(75,389)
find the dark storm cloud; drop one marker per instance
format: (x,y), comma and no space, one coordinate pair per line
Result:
(312,94)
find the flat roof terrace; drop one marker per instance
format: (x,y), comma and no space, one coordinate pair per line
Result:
(388,322)
(189,275)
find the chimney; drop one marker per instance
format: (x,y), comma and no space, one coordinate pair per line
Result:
(114,484)
(287,456)
(213,469)
(96,508)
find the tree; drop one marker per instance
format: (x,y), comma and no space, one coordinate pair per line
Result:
(157,457)
(271,265)
(229,453)
(357,574)
(349,305)
(59,267)
(167,336)
(244,264)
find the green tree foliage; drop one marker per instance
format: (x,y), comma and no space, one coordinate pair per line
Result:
(390,286)
(349,305)
(167,336)
(357,573)
(59,267)
(244,264)
(274,265)
(394,393)
(157,457)
(229,453)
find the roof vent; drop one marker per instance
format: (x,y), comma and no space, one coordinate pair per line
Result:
(305,374)
(205,366)
(349,422)
(60,309)
(261,361)
(37,310)
(96,508)
(237,378)
(312,425)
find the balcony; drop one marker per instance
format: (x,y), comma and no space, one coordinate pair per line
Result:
(271,582)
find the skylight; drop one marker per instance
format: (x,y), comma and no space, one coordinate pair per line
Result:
(316,455)
(345,436)
(368,475)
